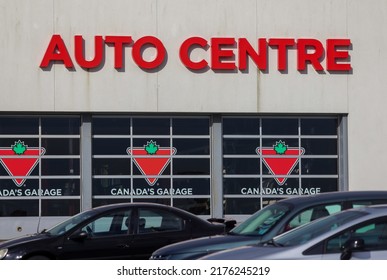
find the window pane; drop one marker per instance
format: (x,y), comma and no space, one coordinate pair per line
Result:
(9,143)
(152,186)
(279,126)
(111,166)
(58,146)
(60,125)
(241,166)
(320,184)
(142,142)
(191,166)
(161,200)
(240,146)
(112,186)
(197,206)
(101,202)
(315,166)
(60,187)
(245,186)
(192,146)
(188,126)
(272,142)
(60,166)
(241,206)
(151,126)
(191,186)
(289,187)
(113,126)
(319,126)
(111,146)
(60,207)
(19,125)
(241,126)
(319,146)
(19,208)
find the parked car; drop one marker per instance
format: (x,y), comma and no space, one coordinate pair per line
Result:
(359,234)
(271,221)
(118,231)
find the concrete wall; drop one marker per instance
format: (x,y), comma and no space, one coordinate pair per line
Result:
(27,26)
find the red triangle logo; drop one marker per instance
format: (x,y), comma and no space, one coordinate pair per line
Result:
(280,165)
(151,165)
(20,165)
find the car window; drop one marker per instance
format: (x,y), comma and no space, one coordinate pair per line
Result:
(374,235)
(362,203)
(313,213)
(156,220)
(316,228)
(109,224)
(263,220)
(69,223)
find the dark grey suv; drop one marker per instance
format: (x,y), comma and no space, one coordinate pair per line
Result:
(271,221)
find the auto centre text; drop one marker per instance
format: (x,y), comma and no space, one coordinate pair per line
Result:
(217,53)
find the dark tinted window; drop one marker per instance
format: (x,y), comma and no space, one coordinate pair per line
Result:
(60,125)
(316,126)
(19,125)
(190,126)
(280,126)
(151,126)
(241,126)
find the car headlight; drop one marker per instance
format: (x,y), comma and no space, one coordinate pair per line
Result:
(3,253)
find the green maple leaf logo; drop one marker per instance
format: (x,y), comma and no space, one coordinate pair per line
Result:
(151,147)
(280,147)
(19,148)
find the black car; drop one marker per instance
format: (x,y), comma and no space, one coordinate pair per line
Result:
(271,221)
(117,231)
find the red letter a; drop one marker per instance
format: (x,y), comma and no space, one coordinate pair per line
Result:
(56,51)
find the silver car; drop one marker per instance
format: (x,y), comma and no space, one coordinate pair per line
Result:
(359,234)
(271,221)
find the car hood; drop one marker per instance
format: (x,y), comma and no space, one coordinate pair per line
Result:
(24,239)
(207,244)
(245,253)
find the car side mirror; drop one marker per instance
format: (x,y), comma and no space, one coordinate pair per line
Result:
(351,246)
(79,236)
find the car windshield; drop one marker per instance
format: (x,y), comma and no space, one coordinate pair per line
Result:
(262,221)
(316,228)
(69,223)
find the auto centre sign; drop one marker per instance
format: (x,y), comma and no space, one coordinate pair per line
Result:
(216,53)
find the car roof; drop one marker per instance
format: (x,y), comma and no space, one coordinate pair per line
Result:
(335,196)
(135,204)
(378,209)
(145,204)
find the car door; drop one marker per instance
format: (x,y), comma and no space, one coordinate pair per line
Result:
(156,228)
(105,237)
